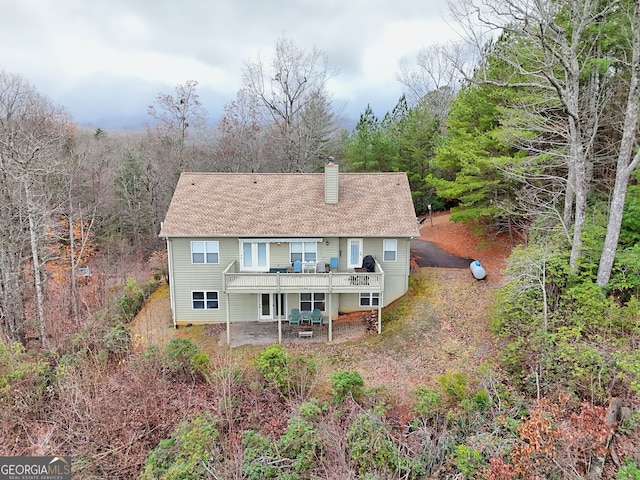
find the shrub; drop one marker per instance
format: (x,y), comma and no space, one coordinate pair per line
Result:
(182,355)
(625,275)
(427,403)
(20,374)
(454,385)
(130,302)
(302,375)
(481,400)
(312,409)
(117,341)
(289,375)
(628,471)
(629,365)
(257,455)
(373,451)
(295,453)
(346,383)
(301,443)
(630,228)
(185,454)
(132,299)
(468,461)
(273,364)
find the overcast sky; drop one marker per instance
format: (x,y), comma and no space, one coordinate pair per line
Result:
(105,61)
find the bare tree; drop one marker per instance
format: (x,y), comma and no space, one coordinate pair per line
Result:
(435,76)
(32,135)
(178,115)
(167,149)
(242,135)
(293,93)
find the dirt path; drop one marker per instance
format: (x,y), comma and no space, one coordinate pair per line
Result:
(153,323)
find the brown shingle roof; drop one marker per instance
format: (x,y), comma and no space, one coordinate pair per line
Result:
(290,204)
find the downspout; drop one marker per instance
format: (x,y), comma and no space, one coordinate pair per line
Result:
(408,265)
(330,316)
(381,302)
(172,292)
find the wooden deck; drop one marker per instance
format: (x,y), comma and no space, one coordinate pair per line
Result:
(338,282)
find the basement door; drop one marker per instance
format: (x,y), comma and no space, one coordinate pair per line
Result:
(272,306)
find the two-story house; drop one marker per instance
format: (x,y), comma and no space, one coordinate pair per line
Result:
(249,247)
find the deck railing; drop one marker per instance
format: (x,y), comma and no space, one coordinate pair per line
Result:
(345,282)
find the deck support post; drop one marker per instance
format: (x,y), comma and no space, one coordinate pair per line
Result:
(380,313)
(228,320)
(330,318)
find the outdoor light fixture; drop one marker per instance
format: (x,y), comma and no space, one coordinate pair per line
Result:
(327,243)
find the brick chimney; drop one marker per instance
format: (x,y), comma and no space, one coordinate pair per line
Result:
(330,182)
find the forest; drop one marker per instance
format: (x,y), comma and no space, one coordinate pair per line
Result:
(528,127)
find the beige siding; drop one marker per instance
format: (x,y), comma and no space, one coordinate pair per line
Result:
(349,302)
(188,277)
(243,307)
(279,255)
(396,274)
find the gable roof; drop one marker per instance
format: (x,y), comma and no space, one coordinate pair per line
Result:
(290,204)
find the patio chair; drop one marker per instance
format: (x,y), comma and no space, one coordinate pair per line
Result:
(316,317)
(333,263)
(297,266)
(294,317)
(305,317)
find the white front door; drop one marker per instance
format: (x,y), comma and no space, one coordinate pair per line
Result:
(354,252)
(272,306)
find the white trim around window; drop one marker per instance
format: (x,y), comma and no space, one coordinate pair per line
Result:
(389,250)
(205,251)
(303,252)
(370,299)
(254,257)
(310,301)
(205,300)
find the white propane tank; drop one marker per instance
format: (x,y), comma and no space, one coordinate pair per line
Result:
(477,270)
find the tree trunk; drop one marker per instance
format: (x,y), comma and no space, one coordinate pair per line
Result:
(580,191)
(613,229)
(73,263)
(627,162)
(616,210)
(569,196)
(35,258)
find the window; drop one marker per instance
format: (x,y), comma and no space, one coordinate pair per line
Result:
(204,300)
(369,299)
(254,256)
(204,252)
(304,251)
(310,301)
(390,250)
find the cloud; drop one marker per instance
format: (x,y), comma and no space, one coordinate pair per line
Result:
(106,58)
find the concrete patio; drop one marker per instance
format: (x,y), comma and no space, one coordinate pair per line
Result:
(266,333)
